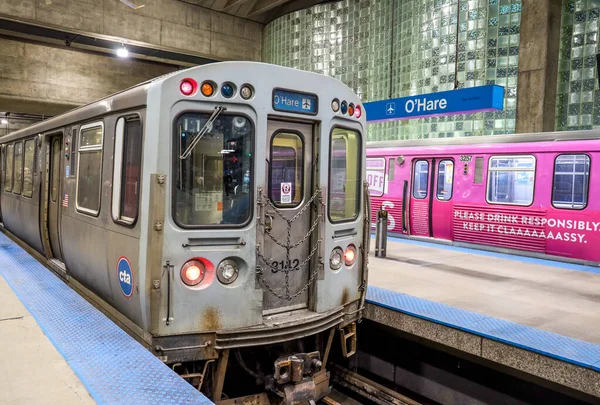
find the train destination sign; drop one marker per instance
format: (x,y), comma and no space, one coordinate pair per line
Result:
(462,101)
(295,102)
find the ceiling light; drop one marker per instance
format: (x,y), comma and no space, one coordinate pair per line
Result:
(122,52)
(4,121)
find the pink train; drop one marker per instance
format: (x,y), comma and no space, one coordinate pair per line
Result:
(530,194)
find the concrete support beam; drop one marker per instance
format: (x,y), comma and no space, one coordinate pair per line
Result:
(40,79)
(164,24)
(538,66)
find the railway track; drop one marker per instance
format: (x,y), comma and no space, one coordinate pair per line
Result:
(372,392)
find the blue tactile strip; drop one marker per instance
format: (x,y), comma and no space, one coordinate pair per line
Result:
(114,368)
(481,252)
(561,347)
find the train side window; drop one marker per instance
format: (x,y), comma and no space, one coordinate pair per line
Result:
(28,168)
(392,169)
(478,177)
(511,180)
(571,181)
(420,179)
(376,176)
(344,175)
(8,174)
(89,175)
(18,170)
(445,179)
(287,167)
(127,169)
(73,152)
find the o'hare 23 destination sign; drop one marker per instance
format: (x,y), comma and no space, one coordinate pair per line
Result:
(462,101)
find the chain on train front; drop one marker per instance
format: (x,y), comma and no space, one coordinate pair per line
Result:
(288,246)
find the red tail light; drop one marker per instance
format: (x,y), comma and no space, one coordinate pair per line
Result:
(192,272)
(357,111)
(350,255)
(188,87)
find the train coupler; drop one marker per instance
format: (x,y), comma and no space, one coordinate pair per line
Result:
(299,378)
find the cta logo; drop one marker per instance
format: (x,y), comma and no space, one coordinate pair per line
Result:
(125,276)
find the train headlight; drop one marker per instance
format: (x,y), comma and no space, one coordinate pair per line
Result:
(227,271)
(192,272)
(350,255)
(335,259)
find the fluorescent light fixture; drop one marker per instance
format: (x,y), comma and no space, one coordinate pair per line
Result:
(4,121)
(122,52)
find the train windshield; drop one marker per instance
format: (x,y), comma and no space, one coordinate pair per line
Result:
(212,182)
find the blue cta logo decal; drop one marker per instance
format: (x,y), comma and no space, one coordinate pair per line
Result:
(125,276)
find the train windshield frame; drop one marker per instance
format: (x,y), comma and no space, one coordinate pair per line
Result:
(212,185)
(344,179)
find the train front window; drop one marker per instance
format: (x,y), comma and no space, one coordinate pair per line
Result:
(212,182)
(344,175)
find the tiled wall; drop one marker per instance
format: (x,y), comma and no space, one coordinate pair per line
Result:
(383,48)
(578,98)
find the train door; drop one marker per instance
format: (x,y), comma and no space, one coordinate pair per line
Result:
(430,197)
(54,194)
(287,222)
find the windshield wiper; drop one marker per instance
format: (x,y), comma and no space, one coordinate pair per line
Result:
(218,110)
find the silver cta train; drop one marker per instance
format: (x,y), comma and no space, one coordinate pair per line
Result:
(218,214)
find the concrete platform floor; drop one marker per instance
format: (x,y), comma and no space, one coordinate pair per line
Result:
(32,371)
(530,292)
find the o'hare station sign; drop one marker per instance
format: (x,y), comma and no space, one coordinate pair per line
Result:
(462,101)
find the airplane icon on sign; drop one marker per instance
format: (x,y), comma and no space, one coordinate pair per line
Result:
(390,108)
(306,103)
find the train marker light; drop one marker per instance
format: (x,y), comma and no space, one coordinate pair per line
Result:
(335,259)
(192,272)
(227,90)
(188,87)
(344,108)
(227,271)
(350,255)
(358,111)
(246,91)
(335,105)
(207,89)
(351,109)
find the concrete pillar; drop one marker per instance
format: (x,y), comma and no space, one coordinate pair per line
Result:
(538,65)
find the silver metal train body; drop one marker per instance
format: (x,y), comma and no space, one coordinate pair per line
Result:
(215,208)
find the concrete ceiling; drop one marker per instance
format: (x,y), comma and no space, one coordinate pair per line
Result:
(263,11)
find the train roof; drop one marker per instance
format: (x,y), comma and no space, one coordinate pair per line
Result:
(557,136)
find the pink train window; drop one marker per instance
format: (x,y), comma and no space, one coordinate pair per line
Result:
(571,181)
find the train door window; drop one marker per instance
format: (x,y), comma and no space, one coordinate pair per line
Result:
(571,181)
(89,175)
(28,167)
(420,179)
(392,169)
(18,168)
(212,184)
(54,180)
(127,168)
(286,169)
(344,175)
(445,179)
(376,176)
(8,174)
(511,180)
